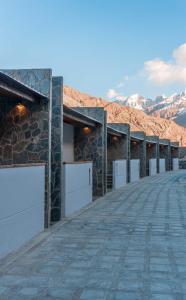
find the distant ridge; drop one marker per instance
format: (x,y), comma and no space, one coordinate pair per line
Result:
(137,119)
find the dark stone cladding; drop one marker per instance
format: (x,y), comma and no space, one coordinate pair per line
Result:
(139,151)
(25,137)
(122,148)
(165,152)
(152,151)
(92,147)
(56,149)
(37,79)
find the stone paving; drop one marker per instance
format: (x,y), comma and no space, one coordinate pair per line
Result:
(130,245)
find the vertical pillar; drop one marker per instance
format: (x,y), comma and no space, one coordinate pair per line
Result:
(56,149)
(143,158)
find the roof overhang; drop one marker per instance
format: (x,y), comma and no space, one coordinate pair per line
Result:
(137,136)
(152,139)
(174,144)
(76,118)
(9,87)
(114,132)
(164,142)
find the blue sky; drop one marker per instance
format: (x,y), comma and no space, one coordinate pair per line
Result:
(99,46)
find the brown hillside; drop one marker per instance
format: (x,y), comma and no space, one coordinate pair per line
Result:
(137,119)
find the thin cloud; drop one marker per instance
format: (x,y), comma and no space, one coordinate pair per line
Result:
(112,93)
(162,72)
(123,82)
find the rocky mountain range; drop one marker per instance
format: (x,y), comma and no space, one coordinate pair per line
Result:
(146,118)
(173,107)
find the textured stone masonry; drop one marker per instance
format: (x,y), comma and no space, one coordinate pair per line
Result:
(25,134)
(138,149)
(118,144)
(164,152)
(93,147)
(152,150)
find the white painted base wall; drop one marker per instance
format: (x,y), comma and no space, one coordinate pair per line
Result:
(77,186)
(162,165)
(152,166)
(119,173)
(22,194)
(134,170)
(175,164)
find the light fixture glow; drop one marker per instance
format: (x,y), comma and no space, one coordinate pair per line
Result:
(21,109)
(115,139)
(86,130)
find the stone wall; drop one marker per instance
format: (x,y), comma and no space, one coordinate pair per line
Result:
(151,152)
(92,147)
(124,129)
(25,128)
(116,149)
(182,152)
(37,79)
(138,151)
(174,152)
(164,152)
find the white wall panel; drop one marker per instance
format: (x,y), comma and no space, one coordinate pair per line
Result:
(77,186)
(119,173)
(134,170)
(175,164)
(162,167)
(152,166)
(22,194)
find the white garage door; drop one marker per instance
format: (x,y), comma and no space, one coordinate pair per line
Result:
(119,173)
(162,165)
(152,166)
(77,186)
(134,170)
(175,164)
(22,192)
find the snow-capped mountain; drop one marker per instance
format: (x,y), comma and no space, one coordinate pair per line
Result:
(135,101)
(172,107)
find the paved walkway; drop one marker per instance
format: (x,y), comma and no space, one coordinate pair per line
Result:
(130,245)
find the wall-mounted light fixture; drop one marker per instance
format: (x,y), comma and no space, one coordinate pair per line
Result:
(149,145)
(115,138)
(134,143)
(21,109)
(86,130)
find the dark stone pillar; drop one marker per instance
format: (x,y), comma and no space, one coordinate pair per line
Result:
(143,158)
(56,149)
